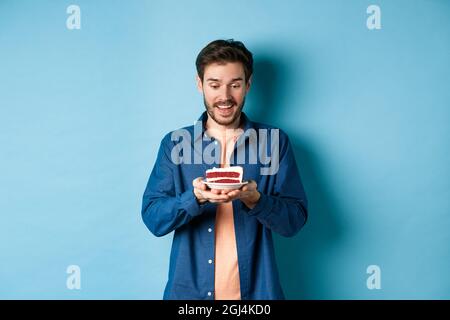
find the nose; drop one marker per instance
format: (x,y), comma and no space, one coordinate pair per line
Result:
(225,93)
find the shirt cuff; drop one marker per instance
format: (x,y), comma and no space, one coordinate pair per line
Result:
(262,208)
(189,203)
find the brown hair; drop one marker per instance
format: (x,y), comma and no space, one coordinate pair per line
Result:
(222,51)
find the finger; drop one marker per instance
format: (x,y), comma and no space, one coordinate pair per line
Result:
(201,194)
(212,196)
(244,194)
(198,184)
(234,194)
(219,200)
(220,191)
(202,185)
(250,186)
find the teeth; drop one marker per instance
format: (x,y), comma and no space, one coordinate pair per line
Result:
(224,107)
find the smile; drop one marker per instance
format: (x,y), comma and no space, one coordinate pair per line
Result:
(225,107)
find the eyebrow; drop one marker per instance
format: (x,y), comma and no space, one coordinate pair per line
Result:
(217,80)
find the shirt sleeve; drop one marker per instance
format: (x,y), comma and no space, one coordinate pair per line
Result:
(285,210)
(164,210)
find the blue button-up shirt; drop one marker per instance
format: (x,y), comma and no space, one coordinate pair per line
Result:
(169,204)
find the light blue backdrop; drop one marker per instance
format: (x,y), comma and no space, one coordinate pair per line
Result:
(82,113)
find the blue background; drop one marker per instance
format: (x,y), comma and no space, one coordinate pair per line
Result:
(82,113)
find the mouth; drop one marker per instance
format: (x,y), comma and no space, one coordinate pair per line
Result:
(225,106)
(225,110)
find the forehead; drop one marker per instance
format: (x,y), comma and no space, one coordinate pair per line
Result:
(224,72)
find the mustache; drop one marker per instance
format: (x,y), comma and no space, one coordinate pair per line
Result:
(228,102)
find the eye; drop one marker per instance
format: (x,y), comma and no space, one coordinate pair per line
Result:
(235,85)
(214,86)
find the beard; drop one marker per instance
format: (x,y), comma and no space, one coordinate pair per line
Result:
(211,109)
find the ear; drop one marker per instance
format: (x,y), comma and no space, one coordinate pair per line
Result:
(249,83)
(199,84)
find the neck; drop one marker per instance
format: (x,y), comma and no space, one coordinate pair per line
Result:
(222,132)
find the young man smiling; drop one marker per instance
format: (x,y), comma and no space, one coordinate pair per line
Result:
(222,246)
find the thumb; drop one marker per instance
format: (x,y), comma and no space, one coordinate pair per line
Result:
(198,184)
(195,182)
(251,185)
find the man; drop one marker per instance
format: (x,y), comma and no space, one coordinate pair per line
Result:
(222,246)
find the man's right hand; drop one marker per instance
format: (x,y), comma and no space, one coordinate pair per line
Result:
(204,194)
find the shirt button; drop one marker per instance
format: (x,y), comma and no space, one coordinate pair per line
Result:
(209,293)
(209,230)
(215,142)
(209,261)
